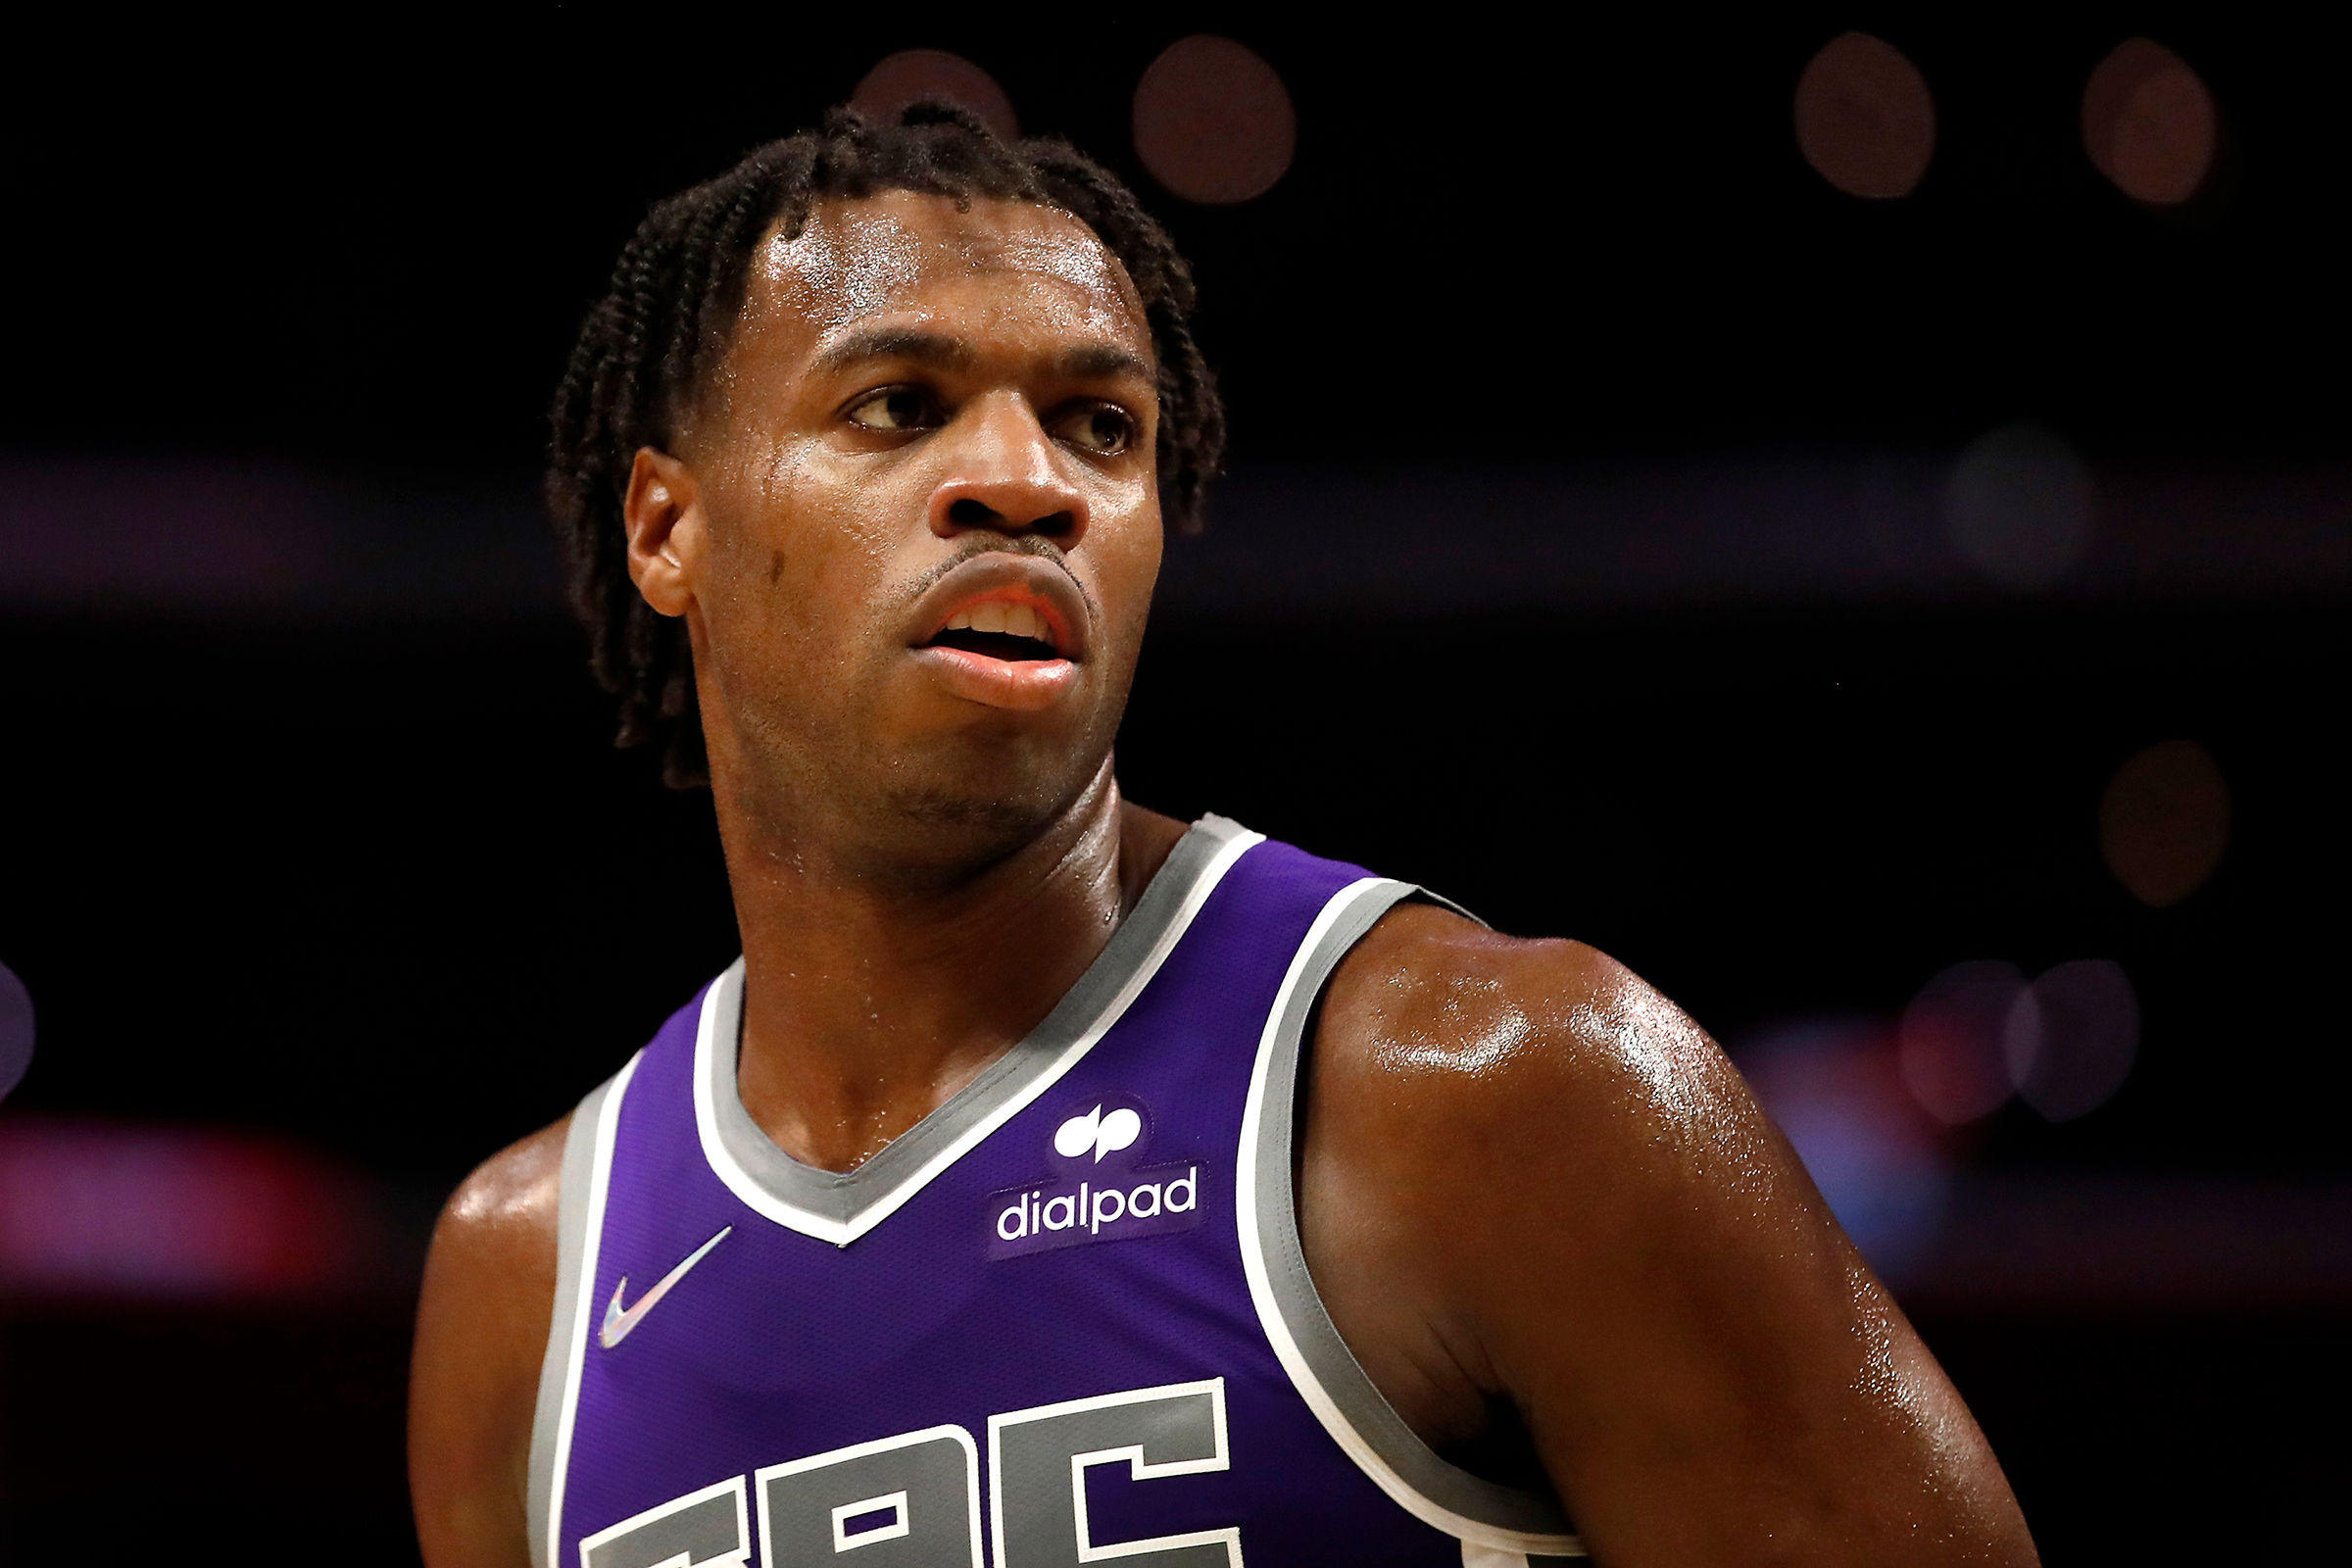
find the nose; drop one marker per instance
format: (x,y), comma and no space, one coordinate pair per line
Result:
(1006,475)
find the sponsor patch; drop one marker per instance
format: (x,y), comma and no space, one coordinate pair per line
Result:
(1099,1191)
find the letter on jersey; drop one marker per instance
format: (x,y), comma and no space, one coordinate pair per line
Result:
(1038,1461)
(910,1501)
(701,1530)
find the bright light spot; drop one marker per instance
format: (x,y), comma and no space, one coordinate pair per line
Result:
(914,74)
(1832,1088)
(2019,505)
(2164,821)
(2149,124)
(16,1030)
(1213,122)
(1865,120)
(2071,1038)
(1949,1047)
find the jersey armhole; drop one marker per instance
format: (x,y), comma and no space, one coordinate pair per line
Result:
(579,1223)
(1495,1523)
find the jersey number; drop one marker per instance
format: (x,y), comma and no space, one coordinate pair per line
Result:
(913,1501)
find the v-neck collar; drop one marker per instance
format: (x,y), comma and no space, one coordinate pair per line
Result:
(838,1207)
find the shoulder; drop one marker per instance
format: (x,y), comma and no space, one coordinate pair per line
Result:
(1466,1021)
(508,1203)
(481,1331)
(494,1247)
(1501,1134)
(1525,1175)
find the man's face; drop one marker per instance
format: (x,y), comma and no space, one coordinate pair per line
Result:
(926,519)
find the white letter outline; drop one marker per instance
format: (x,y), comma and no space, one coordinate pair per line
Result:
(1220,1458)
(859,1451)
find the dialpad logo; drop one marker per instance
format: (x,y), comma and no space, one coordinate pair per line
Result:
(1097,1192)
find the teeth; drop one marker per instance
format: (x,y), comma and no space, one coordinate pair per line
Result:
(998,616)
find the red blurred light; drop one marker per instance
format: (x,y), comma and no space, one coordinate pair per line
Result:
(2164,821)
(914,74)
(2150,124)
(1213,122)
(1950,1044)
(104,1209)
(1865,120)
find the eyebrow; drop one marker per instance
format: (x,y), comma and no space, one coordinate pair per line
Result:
(1102,361)
(936,350)
(1086,361)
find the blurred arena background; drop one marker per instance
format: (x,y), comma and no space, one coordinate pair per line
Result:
(1859,528)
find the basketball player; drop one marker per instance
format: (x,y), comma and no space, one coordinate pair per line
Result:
(1050,1181)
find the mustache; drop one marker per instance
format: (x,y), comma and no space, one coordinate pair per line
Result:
(1003,545)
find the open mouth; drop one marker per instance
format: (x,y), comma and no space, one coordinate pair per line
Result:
(1004,630)
(998,629)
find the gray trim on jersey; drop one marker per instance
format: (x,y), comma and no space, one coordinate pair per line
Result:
(1330,1379)
(841,1205)
(571,1252)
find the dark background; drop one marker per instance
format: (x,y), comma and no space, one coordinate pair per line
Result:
(350,872)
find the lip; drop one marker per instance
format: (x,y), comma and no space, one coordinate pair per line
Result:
(1002,577)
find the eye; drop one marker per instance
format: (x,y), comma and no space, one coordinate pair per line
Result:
(1098,428)
(895,408)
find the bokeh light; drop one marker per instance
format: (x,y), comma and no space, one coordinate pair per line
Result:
(2164,821)
(2017,505)
(2072,1037)
(1950,1044)
(2150,124)
(101,1208)
(1865,120)
(16,1030)
(914,74)
(1213,122)
(1832,1088)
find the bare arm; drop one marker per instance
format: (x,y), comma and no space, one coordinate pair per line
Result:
(1527,1177)
(481,1331)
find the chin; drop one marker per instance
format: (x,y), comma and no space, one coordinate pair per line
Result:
(970,819)
(1015,815)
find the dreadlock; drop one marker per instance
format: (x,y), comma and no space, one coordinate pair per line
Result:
(672,308)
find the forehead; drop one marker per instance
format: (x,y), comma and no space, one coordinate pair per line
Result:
(903,253)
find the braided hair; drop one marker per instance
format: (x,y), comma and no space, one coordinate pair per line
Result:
(672,308)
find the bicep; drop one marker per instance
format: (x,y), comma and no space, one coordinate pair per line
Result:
(481,1331)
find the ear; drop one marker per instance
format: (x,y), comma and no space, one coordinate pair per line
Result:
(663,518)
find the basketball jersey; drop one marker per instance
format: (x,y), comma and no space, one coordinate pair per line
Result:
(1066,1318)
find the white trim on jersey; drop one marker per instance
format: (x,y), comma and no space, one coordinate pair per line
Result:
(1357,904)
(583,1304)
(842,1542)
(1219,1457)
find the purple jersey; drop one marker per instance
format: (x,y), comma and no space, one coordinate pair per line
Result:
(1066,1318)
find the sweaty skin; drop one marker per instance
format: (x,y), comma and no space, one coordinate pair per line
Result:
(1542,1207)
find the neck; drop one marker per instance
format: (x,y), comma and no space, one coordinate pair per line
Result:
(870,999)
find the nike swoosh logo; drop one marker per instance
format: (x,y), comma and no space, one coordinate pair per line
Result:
(617,1323)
